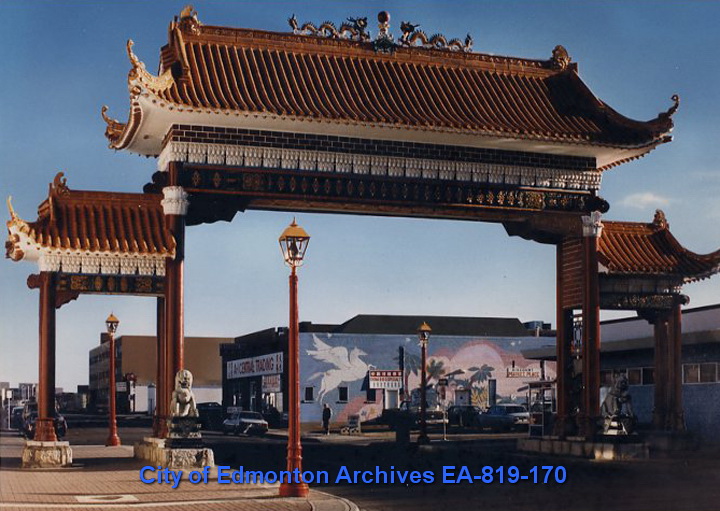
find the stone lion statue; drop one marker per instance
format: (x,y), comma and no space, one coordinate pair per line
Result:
(182,403)
(617,406)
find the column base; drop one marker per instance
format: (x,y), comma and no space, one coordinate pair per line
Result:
(581,448)
(294,490)
(38,454)
(113,441)
(155,451)
(45,430)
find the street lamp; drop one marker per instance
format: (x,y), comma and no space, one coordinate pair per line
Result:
(293,244)
(113,439)
(423,336)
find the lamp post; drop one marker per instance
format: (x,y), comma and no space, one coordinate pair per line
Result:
(113,439)
(423,336)
(293,244)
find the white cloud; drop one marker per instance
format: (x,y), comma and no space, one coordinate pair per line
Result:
(643,200)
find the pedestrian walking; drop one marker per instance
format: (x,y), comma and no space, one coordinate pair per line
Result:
(326,415)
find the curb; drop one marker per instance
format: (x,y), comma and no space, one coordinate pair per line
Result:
(330,504)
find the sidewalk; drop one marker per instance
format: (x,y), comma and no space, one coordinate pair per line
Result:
(108,478)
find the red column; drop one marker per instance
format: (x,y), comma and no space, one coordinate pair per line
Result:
(591,328)
(113,439)
(297,488)
(676,414)
(660,405)
(44,425)
(562,349)
(161,403)
(174,297)
(175,205)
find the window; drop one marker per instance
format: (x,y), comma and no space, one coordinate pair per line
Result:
(309,394)
(708,373)
(371,395)
(634,376)
(648,376)
(691,373)
(343,394)
(701,373)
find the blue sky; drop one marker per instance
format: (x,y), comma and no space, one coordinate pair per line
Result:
(65,60)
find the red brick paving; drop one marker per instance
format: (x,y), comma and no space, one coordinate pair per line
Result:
(111,471)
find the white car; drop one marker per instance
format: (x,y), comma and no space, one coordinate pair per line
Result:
(505,417)
(248,423)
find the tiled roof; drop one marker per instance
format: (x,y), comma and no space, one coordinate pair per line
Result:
(637,248)
(96,222)
(214,69)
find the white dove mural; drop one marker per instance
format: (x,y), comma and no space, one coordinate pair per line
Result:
(347,367)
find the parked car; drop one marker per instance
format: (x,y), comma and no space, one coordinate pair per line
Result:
(211,416)
(249,423)
(463,415)
(28,429)
(505,417)
(16,418)
(411,414)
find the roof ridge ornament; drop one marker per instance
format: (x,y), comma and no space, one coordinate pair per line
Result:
(114,128)
(59,185)
(437,41)
(353,29)
(356,29)
(188,20)
(13,216)
(671,111)
(560,58)
(659,220)
(384,42)
(139,73)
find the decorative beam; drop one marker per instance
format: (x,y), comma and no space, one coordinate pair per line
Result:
(640,302)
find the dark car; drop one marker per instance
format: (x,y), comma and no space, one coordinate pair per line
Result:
(409,414)
(248,423)
(505,417)
(16,418)
(211,416)
(28,429)
(463,415)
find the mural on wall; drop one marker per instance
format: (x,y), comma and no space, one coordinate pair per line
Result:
(345,367)
(335,363)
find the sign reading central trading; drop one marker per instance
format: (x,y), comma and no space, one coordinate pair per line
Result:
(385,379)
(255,366)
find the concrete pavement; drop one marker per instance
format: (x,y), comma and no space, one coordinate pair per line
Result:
(108,478)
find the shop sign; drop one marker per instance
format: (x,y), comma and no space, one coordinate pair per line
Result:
(527,373)
(255,366)
(271,383)
(386,379)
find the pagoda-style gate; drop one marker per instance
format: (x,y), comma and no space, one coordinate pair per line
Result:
(332,119)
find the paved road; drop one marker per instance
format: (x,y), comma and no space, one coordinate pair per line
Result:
(690,481)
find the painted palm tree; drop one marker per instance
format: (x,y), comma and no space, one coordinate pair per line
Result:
(412,363)
(480,374)
(435,369)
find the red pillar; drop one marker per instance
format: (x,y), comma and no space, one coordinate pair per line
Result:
(563,320)
(113,439)
(297,488)
(44,426)
(161,403)
(676,416)
(592,229)
(660,405)
(175,205)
